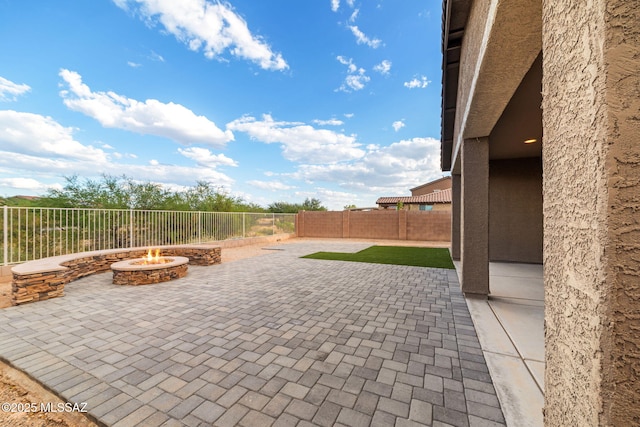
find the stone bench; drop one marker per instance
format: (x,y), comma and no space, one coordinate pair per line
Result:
(45,278)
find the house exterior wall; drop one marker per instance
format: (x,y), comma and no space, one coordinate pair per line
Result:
(591,161)
(441,184)
(470,59)
(455,215)
(515,210)
(379,224)
(474,218)
(435,207)
(489,73)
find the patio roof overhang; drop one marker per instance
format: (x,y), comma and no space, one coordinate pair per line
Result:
(491,77)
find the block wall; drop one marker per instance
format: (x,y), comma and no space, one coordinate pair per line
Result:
(381,224)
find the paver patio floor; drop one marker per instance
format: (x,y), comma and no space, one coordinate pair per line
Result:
(272,340)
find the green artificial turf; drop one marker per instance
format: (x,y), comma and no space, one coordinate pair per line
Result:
(398,255)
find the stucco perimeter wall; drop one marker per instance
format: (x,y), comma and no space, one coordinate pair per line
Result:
(515,210)
(591,162)
(379,224)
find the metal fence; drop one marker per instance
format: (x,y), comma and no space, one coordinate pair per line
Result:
(34,233)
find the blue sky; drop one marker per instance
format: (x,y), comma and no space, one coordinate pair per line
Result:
(274,100)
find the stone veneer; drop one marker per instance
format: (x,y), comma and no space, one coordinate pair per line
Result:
(41,280)
(134,273)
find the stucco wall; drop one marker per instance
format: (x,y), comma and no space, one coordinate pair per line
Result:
(469,58)
(501,42)
(591,161)
(441,184)
(515,210)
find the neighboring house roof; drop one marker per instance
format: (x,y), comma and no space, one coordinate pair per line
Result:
(443,196)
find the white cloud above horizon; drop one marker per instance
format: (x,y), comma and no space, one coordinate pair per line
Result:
(383,68)
(204,157)
(361,38)
(417,83)
(330,122)
(151,117)
(9,91)
(213,27)
(300,142)
(29,133)
(398,124)
(44,149)
(25,184)
(391,170)
(356,78)
(270,185)
(54,169)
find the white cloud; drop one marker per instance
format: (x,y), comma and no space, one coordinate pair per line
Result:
(419,83)
(204,157)
(361,38)
(355,81)
(40,148)
(213,27)
(348,62)
(300,142)
(156,57)
(9,91)
(150,117)
(335,5)
(55,168)
(389,170)
(133,64)
(398,124)
(356,77)
(270,185)
(383,68)
(30,133)
(23,184)
(354,15)
(330,122)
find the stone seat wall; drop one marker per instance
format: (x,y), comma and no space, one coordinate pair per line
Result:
(45,278)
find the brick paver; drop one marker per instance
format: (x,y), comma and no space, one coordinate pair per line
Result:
(273,340)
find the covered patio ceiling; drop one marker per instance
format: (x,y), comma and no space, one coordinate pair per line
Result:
(504,101)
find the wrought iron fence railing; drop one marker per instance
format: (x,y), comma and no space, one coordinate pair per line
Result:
(34,233)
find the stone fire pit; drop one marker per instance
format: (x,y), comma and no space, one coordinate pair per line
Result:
(141,272)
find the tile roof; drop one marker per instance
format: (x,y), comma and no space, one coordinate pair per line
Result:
(443,196)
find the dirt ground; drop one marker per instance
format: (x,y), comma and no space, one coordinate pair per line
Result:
(18,389)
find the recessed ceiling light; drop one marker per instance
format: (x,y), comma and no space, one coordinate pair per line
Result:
(530,141)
